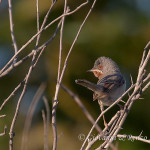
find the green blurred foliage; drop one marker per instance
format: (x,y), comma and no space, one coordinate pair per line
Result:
(117,29)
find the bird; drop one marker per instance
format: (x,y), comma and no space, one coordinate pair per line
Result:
(111,82)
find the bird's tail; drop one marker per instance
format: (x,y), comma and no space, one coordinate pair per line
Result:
(91,86)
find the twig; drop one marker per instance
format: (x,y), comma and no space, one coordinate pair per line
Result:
(61,42)
(45,131)
(131,79)
(46,121)
(144,53)
(4,132)
(55,101)
(37,16)
(2,116)
(11,29)
(38,57)
(43,24)
(12,94)
(29,116)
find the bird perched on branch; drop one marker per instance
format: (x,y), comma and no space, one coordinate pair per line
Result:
(111,83)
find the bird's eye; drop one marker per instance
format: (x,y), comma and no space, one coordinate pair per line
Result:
(100,66)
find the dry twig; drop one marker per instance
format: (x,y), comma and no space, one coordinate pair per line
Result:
(46,122)
(4,132)
(12,29)
(29,116)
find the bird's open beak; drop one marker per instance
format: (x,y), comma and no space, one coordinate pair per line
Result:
(93,70)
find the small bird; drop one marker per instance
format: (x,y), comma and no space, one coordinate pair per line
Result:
(111,83)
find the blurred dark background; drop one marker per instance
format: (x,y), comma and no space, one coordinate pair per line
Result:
(117,29)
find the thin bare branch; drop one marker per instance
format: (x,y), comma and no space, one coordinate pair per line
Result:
(37,14)
(12,29)
(29,116)
(12,94)
(144,53)
(4,132)
(2,116)
(43,24)
(45,133)
(55,101)
(46,121)
(131,79)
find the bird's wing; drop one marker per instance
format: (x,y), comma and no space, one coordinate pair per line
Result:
(91,86)
(111,82)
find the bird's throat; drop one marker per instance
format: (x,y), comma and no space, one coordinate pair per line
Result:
(98,74)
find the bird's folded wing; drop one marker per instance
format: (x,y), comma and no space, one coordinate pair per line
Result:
(111,83)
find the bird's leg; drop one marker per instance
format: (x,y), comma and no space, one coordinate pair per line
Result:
(102,109)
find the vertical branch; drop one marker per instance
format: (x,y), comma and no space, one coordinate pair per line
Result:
(46,123)
(44,21)
(11,29)
(61,43)
(37,14)
(144,53)
(55,101)
(45,131)
(29,116)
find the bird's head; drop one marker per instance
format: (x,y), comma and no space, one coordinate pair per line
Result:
(104,66)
